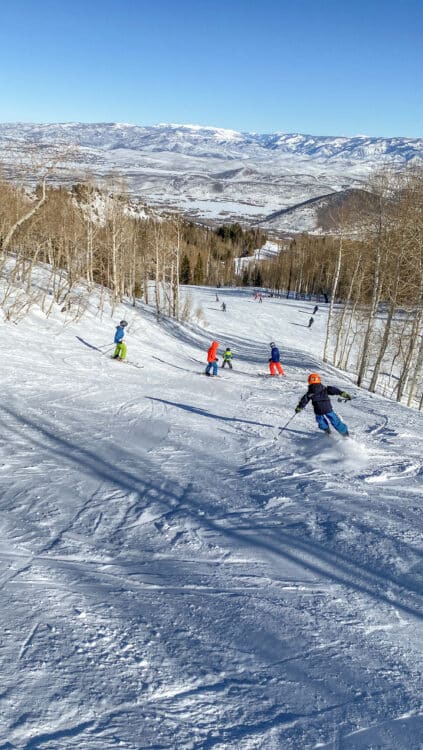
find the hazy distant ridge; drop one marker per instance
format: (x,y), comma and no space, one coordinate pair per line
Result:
(184,138)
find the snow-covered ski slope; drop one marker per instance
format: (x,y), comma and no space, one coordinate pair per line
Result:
(175,573)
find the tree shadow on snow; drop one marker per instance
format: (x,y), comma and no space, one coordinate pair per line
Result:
(310,555)
(205,413)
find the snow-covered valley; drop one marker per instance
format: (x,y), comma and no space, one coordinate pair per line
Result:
(176,572)
(211,174)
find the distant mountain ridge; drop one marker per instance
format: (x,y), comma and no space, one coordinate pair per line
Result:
(214,173)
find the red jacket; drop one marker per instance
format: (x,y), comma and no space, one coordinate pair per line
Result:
(212,352)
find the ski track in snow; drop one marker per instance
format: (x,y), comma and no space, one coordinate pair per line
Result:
(176,571)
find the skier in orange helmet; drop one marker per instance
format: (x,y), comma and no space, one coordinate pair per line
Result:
(319,394)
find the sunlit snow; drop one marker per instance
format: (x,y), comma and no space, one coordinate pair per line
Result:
(176,571)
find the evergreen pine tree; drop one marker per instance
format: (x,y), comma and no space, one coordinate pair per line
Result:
(198,271)
(185,271)
(257,277)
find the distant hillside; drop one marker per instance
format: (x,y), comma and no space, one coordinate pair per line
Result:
(211,173)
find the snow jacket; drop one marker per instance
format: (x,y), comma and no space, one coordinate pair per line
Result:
(212,352)
(319,394)
(120,332)
(227,355)
(275,356)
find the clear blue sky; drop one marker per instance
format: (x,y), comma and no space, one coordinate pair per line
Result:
(320,67)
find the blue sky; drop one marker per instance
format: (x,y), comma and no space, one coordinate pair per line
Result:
(321,67)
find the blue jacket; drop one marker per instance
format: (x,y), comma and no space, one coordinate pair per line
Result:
(120,332)
(319,394)
(275,356)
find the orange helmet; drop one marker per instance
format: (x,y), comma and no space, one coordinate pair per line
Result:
(313,378)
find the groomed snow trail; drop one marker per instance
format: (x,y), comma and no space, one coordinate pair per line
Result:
(175,573)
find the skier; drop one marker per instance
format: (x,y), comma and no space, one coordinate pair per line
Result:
(319,394)
(217,298)
(224,306)
(120,350)
(316,307)
(227,358)
(212,359)
(275,360)
(310,322)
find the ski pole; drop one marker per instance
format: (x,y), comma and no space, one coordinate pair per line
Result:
(281,429)
(106,351)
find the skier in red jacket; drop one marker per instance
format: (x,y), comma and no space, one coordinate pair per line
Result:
(212,359)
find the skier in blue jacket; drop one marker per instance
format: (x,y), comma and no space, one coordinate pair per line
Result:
(120,350)
(319,394)
(275,360)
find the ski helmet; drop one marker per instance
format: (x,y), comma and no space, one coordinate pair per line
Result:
(272,344)
(123,323)
(313,378)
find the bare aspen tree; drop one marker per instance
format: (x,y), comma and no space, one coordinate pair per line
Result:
(417,373)
(177,224)
(343,329)
(376,287)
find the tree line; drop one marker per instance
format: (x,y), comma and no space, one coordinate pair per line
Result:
(370,268)
(93,235)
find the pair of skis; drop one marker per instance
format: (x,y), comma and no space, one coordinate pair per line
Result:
(129,362)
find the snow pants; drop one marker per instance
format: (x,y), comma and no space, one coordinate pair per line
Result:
(211,365)
(227,362)
(324,419)
(120,351)
(277,366)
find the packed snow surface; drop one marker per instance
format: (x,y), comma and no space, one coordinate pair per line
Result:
(176,571)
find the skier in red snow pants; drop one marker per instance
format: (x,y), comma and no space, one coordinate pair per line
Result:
(275,361)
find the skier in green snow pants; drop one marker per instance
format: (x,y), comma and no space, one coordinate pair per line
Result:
(120,350)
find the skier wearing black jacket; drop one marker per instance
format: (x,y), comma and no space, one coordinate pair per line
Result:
(319,394)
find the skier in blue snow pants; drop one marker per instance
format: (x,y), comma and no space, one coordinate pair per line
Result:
(319,394)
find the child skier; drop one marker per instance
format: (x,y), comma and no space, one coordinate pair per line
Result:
(319,394)
(275,360)
(212,359)
(120,350)
(227,358)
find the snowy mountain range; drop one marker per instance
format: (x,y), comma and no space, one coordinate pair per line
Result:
(213,174)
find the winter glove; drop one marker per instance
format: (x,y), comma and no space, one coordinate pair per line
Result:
(298,409)
(346,396)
